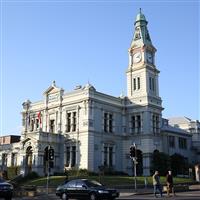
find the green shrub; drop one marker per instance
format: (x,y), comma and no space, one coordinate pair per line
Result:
(59,173)
(13,171)
(30,176)
(76,173)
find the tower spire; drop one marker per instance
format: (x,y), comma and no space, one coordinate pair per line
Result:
(141,35)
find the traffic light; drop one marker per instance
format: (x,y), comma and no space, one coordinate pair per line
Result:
(133,152)
(51,154)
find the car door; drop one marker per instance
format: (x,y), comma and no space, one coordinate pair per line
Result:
(71,189)
(81,190)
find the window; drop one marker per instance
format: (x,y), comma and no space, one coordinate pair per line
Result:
(105,156)
(152,84)
(172,141)
(79,184)
(32,124)
(138,79)
(14,159)
(136,124)
(67,156)
(71,121)
(182,143)
(133,124)
(68,122)
(70,156)
(134,84)
(73,162)
(4,159)
(71,184)
(74,121)
(108,155)
(37,123)
(105,121)
(108,122)
(156,123)
(52,126)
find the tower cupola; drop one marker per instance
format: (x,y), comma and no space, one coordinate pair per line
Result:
(140,18)
(141,35)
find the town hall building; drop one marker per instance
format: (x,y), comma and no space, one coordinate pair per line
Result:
(88,129)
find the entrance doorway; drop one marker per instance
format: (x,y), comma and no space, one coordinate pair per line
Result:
(29,159)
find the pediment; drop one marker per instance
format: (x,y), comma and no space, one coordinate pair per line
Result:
(52,89)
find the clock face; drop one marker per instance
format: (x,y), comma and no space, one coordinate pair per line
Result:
(137,57)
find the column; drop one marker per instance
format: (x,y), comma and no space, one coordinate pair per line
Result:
(146,164)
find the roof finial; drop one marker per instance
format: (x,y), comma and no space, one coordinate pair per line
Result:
(140,10)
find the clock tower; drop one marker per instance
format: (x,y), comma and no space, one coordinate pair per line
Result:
(142,74)
(144,106)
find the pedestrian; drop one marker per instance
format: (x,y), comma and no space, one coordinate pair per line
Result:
(170,185)
(157,184)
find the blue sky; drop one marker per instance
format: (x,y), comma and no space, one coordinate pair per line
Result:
(73,42)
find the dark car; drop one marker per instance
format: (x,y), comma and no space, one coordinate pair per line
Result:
(6,190)
(85,189)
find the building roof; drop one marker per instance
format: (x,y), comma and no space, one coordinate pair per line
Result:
(179,120)
(176,130)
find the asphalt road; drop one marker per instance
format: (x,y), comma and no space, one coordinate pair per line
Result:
(191,195)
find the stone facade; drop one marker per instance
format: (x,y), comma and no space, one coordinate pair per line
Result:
(88,129)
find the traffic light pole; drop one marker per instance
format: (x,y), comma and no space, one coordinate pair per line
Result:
(135,172)
(133,156)
(48,171)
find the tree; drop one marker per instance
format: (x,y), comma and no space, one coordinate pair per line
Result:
(179,164)
(160,162)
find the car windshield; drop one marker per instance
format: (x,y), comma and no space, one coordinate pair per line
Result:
(92,183)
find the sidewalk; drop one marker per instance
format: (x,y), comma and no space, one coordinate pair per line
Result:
(149,190)
(139,191)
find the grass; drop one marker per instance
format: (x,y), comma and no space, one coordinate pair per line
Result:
(106,180)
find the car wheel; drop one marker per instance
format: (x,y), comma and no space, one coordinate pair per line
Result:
(93,196)
(64,196)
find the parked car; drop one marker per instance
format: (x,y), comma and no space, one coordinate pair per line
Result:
(6,190)
(85,189)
